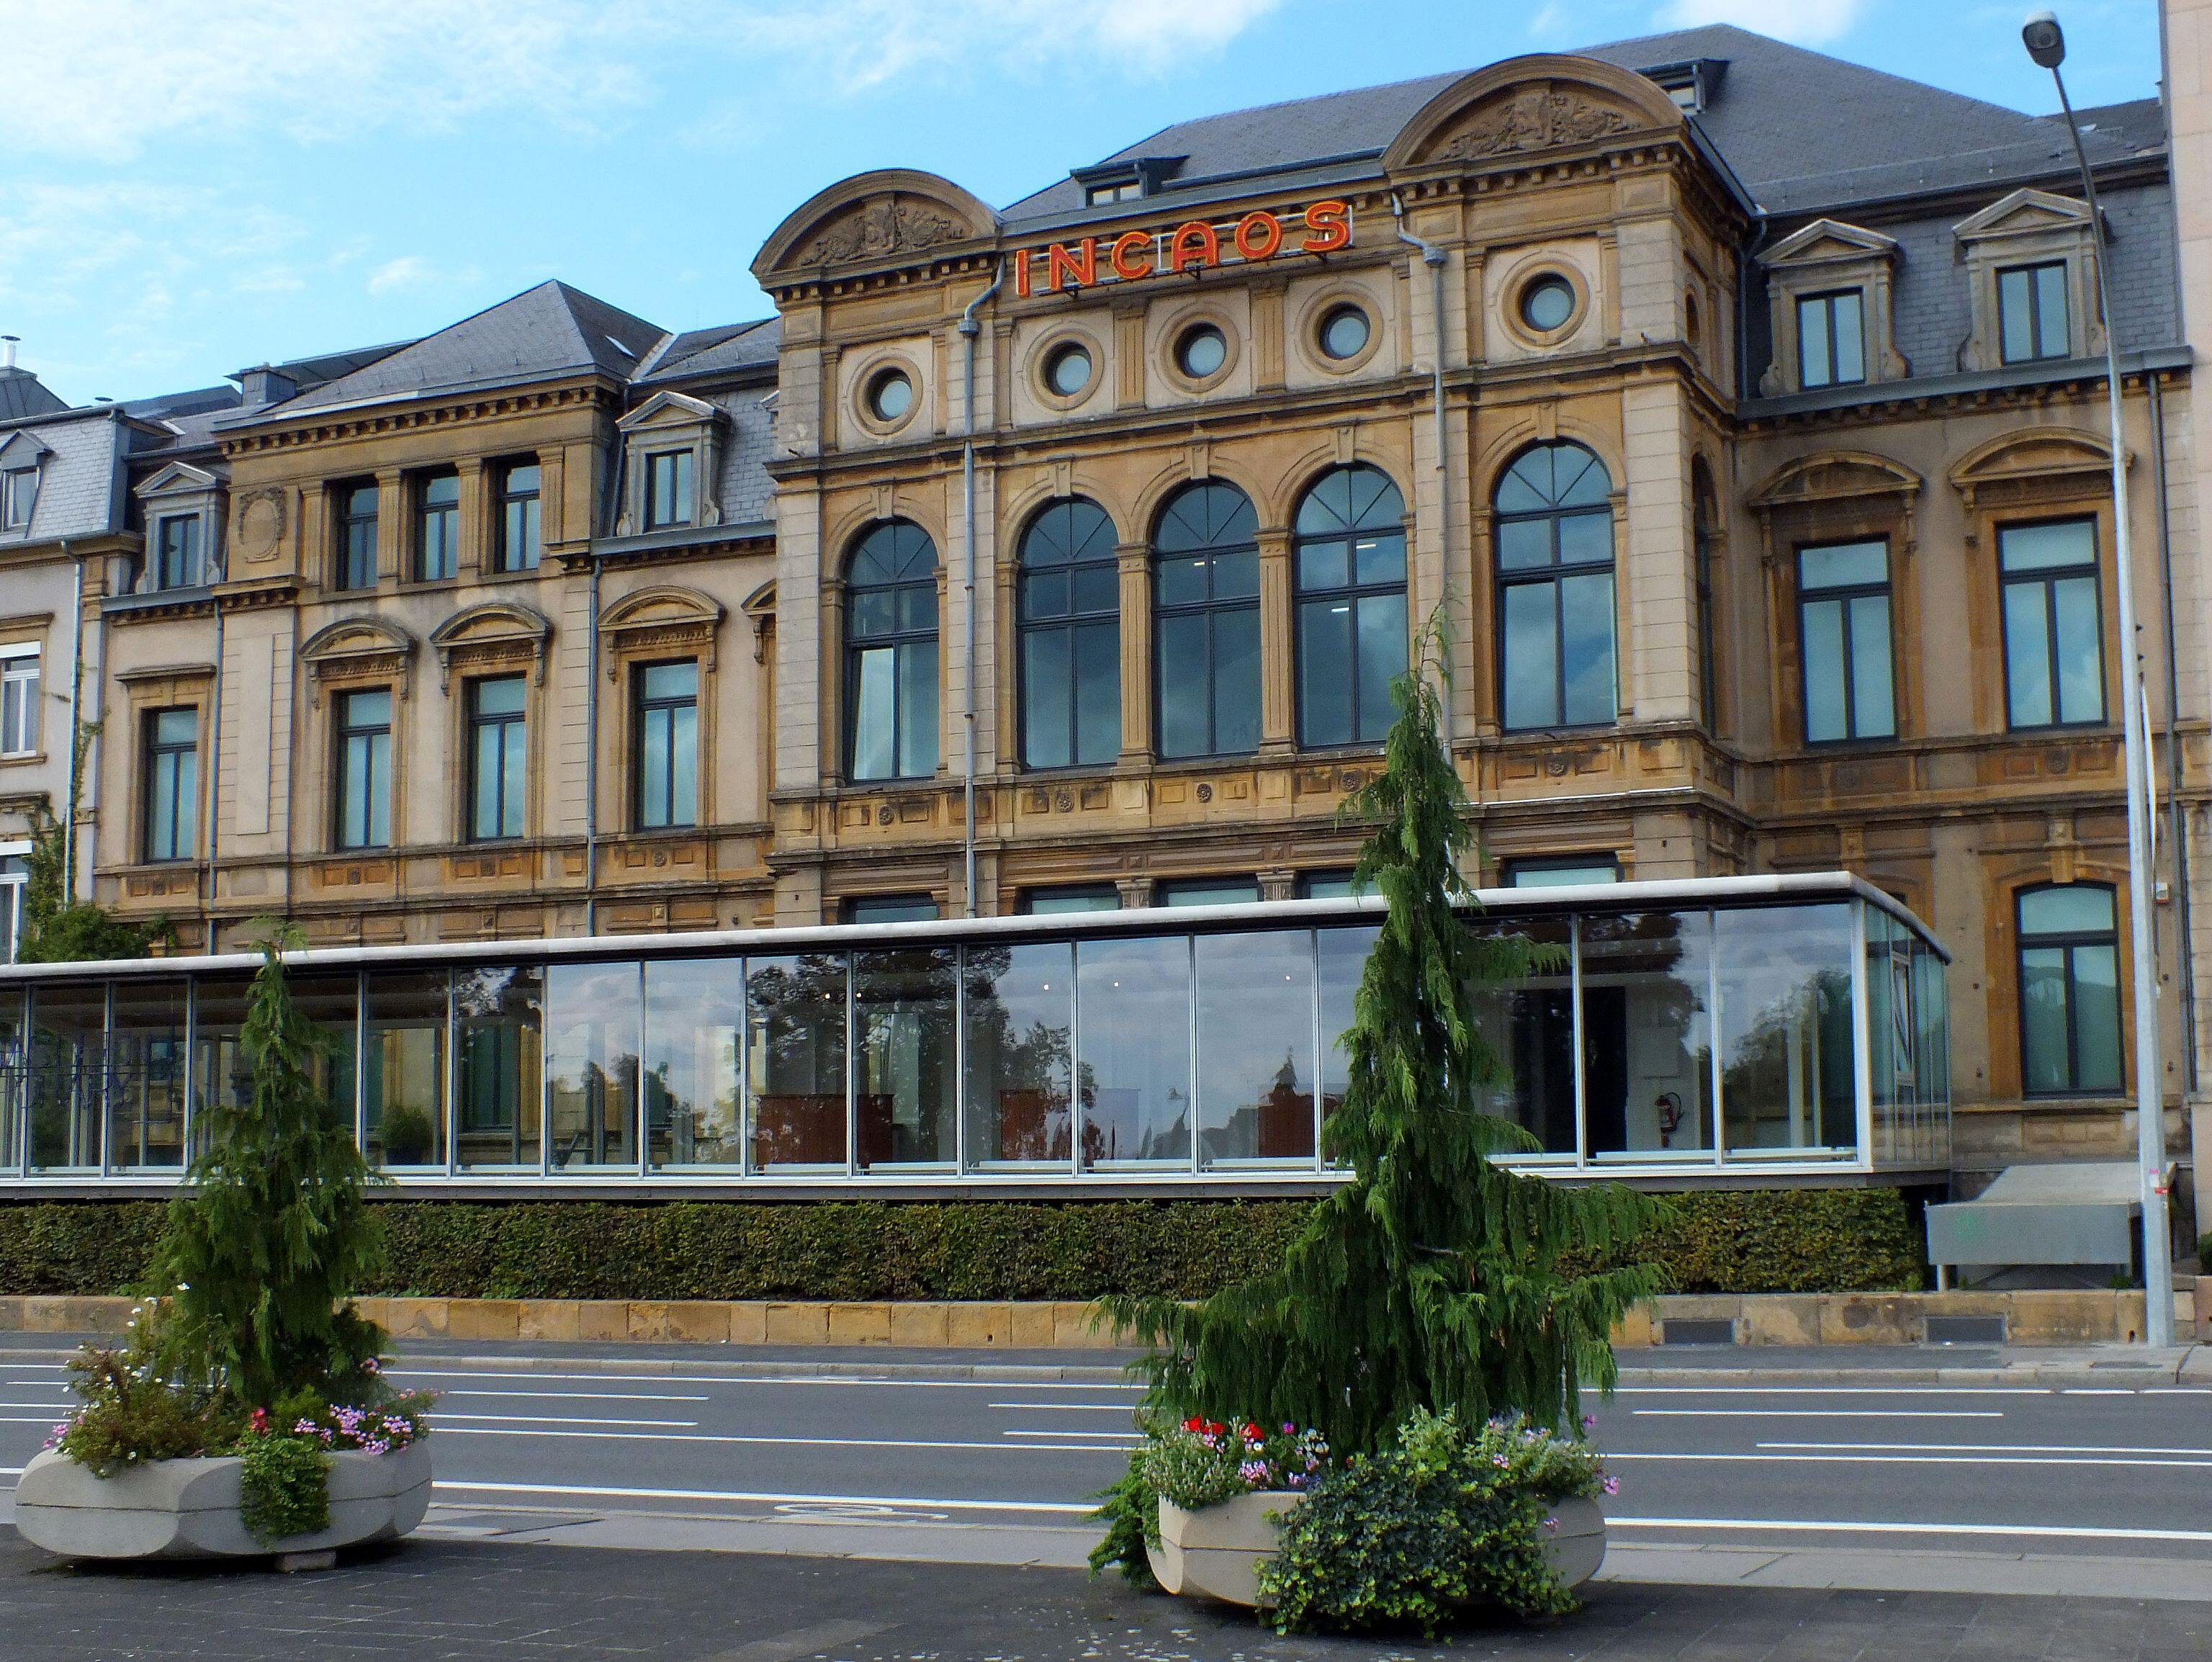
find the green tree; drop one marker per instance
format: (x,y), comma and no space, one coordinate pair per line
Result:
(1431,1279)
(266,1246)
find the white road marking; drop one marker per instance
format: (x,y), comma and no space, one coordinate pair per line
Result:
(447,1419)
(1068,1407)
(799,1379)
(779,1442)
(1059,1507)
(587,1396)
(1839,1390)
(1822,1413)
(2097,1391)
(39,1420)
(2039,1531)
(1120,1436)
(68,1403)
(2004,1448)
(1995,1457)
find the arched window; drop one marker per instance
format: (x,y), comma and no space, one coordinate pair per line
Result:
(1705,537)
(2069,992)
(1205,622)
(890,653)
(1350,575)
(1555,590)
(1071,624)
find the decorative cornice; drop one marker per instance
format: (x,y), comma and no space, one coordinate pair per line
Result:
(372,423)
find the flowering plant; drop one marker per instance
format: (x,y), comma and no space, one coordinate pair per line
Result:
(1199,1462)
(384,1429)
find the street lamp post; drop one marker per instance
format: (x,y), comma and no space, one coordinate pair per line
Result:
(2046,44)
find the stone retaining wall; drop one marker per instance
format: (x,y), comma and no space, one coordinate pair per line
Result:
(1770,1318)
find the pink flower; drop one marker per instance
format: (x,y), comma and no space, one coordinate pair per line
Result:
(1500,1460)
(1590,1422)
(1613,1485)
(1551,1523)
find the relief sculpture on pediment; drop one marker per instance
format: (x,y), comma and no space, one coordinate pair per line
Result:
(889,225)
(1534,119)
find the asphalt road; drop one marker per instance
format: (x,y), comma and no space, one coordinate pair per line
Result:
(2113,1471)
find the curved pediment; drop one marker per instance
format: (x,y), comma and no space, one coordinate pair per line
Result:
(655,608)
(2035,453)
(1836,475)
(496,621)
(1540,102)
(888,218)
(356,638)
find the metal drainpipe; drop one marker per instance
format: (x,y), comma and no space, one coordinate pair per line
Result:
(592,762)
(72,782)
(1436,259)
(2175,813)
(970,329)
(215,774)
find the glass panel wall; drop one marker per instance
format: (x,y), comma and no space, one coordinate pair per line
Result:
(906,1085)
(498,1040)
(404,1083)
(1787,1077)
(1021,1033)
(595,1027)
(1256,1047)
(68,1024)
(695,1047)
(795,1059)
(1727,1036)
(146,1075)
(1529,1026)
(1132,1050)
(1647,1035)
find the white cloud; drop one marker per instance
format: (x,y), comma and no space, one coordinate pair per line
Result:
(407,271)
(1809,23)
(249,69)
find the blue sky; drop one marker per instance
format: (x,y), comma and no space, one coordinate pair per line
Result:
(195,186)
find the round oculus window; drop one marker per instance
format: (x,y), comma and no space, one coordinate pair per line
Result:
(1201,351)
(1344,331)
(890,395)
(1067,370)
(1548,303)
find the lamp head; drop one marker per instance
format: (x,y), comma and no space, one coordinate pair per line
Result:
(2045,41)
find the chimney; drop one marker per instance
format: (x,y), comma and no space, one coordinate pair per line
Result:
(263,384)
(8,350)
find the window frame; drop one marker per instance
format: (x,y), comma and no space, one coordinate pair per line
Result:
(2070,941)
(1213,608)
(173,763)
(682,468)
(443,518)
(1827,300)
(2043,577)
(344,731)
(1511,871)
(1842,595)
(899,643)
(1554,575)
(19,493)
(1070,625)
(190,565)
(531,502)
(1353,593)
(21,673)
(514,728)
(642,707)
(345,520)
(2034,271)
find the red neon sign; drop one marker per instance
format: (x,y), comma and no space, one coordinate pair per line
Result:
(1320,228)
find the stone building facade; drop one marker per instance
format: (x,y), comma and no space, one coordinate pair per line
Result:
(1756,469)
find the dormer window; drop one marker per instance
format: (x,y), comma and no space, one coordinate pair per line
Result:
(1831,339)
(177,551)
(667,490)
(1126,179)
(1127,189)
(2032,322)
(19,494)
(1690,84)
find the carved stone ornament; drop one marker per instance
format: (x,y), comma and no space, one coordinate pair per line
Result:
(1535,120)
(888,225)
(260,524)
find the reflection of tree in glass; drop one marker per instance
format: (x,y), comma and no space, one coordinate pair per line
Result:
(1755,1080)
(1021,1076)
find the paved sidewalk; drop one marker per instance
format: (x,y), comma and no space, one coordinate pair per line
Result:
(503,1604)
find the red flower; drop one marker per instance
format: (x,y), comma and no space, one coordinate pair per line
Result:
(261,1423)
(1194,1423)
(1253,1433)
(1214,1427)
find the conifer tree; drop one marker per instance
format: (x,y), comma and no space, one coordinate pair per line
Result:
(1430,1279)
(270,1236)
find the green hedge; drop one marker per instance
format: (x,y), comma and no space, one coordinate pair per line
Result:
(1729,1241)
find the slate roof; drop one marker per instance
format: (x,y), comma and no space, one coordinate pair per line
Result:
(709,351)
(1875,134)
(23,394)
(548,330)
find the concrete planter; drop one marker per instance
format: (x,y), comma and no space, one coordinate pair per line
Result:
(190,1508)
(1216,1552)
